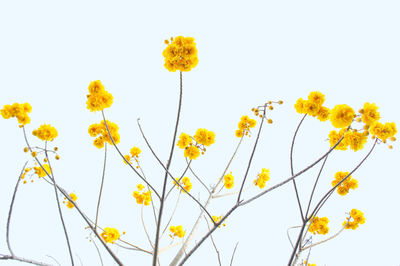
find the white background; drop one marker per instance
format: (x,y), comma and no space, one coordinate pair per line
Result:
(249,52)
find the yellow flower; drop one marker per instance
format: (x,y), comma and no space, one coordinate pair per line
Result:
(101,130)
(316,97)
(244,126)
(184,140)
(98,98)
(262,178)
(192,152)
(319,226)
(356,140)
(74,198)
(334,137)
(369,113)
(323,113)
(135,151)
(357,219)
(383,131)
(204,136)
(142,197)
(345,186)
(45,132)
(239,133)
(181,54)
(110,235)
(228,180)
(20,111)
(217,219)
(40,172)
(299,106)
(177,231)
(342,116)
(185,183)
(311,108)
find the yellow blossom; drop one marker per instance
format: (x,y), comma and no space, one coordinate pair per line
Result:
(316,97)
(356,140)
(185,183)
(74,198)
(342,116)
(177,231)
(345,186)
(334,137)
(262,178)
(100,130)
(142,197)
(45,132)
(192,152)
(110,235)
(135,151)
(311,108)
(98,98)
(323,114)
(204,136)
(319,226)
(184,140)
(228,180)
(383,131)
(356,218)
(40,172)
(181,54)
(369,113)
(20,111)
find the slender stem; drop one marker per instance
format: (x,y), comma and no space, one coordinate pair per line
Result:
(291,167)
(252,154)
(173,213)
(8,257)
(325,240)
(155,255)
(179,180)
(215,246)
(101,186)
(315,185)
(97,249)
(11,208)
(123,157)
(233,254)
(198,178)
(59,206)
(145,228)
(296,245)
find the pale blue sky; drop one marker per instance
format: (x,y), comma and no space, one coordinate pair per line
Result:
(249,52)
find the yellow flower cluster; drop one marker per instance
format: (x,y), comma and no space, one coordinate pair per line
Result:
(180,54)
(110,235)
(203,137)
(358,218)
(74,198)
(45,132)
(135,151)
(383,131)
(142,197)
(185,183)
(319,226)
(349,183)
(20,111)
(313,106)
(353,139)
(40,172)
(244,126)
(100,129)
(177,231)
(369,113)
(217,219)
(262,178)
(98,98)
(228,181)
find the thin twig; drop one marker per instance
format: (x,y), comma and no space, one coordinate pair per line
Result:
(97,249)
(233,254)
(252,154)
(215,246)
(59,206)
(287,233)
(10,257)
(101,186)
(291,168)
(198,178)
(11,208)
(145,228)
(155,255)
(173,212)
